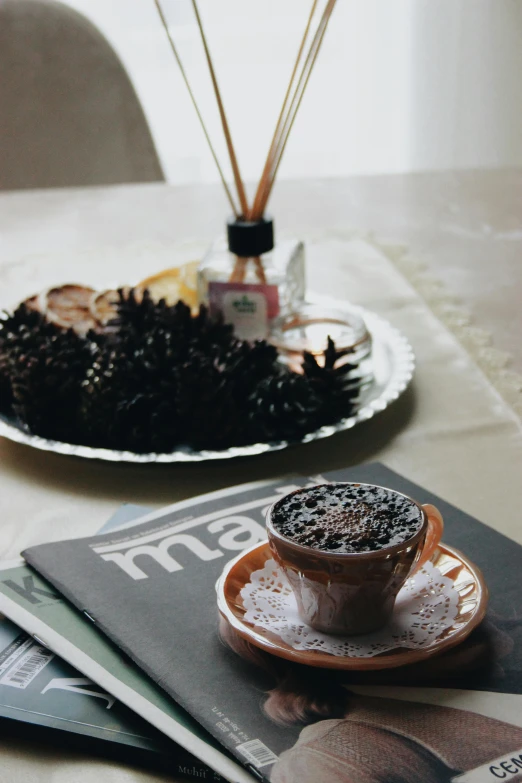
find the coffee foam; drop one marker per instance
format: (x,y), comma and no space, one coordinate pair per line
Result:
(351,518)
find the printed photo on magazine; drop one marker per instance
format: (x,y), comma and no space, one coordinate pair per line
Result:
(151,589)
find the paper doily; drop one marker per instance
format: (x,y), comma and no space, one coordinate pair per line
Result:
(426,606)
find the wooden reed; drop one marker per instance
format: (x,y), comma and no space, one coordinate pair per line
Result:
(228,138)
(194,103)
(266,186)
(256,211)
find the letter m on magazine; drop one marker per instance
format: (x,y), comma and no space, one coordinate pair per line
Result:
(206,538)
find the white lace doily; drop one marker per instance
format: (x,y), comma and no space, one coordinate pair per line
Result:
(426,606)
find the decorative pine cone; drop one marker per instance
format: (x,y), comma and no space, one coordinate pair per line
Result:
(10,328)
(331,381)
(42,366)
(246,364)
(22,316)
(211,330)
(207,403)
(215,386)
(6,394)
(148,422)
(283,407)
(128,396)
(140,315)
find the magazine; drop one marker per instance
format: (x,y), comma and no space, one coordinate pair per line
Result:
(56,627)
(42,691)
(152,590)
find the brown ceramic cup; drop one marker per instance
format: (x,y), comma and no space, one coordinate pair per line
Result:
(352,592)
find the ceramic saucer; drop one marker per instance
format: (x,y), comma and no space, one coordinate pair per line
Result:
(467,581)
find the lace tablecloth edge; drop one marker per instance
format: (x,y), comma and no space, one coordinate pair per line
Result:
(478,342)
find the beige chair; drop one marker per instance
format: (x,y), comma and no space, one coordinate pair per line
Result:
(68,112)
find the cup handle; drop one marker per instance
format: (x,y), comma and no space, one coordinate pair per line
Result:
(433,536)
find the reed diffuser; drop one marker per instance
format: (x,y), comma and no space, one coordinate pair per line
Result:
(247,276)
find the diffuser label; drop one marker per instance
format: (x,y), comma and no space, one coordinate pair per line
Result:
(249,307)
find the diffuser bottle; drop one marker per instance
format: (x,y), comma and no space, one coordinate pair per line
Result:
(249,279)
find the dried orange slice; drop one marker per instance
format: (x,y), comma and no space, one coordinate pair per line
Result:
(164,285)
(68,306)
(173,284)
(103,305)
(189,283)
(188,274)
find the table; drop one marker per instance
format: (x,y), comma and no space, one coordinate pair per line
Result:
(465,226)
(452,431)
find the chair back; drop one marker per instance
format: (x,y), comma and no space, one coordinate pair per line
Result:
(69,115)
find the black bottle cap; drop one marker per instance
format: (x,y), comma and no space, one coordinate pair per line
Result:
(250,238)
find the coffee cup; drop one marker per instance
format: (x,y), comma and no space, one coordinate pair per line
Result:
(347,549)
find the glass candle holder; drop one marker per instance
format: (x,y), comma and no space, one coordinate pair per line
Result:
(308,327)
(250,280)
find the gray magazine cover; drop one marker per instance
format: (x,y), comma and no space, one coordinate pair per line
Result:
(152,590)
(41,695)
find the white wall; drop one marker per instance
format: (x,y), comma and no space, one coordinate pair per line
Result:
(400,84)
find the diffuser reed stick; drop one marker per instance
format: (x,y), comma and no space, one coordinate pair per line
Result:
(256,207)
(194,103)
(228,138)
(239,271)
(282,133)
(300,92)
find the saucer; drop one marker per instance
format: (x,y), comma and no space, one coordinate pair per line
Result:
(466,579)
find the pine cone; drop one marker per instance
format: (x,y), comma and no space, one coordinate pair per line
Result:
(211,330)
(6,393)
(148,422)
(207,404)
(138,317)
(42,366)
(10,327)
(246,364)
(215,386)
(283,407)
(331,381)
(128,398)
